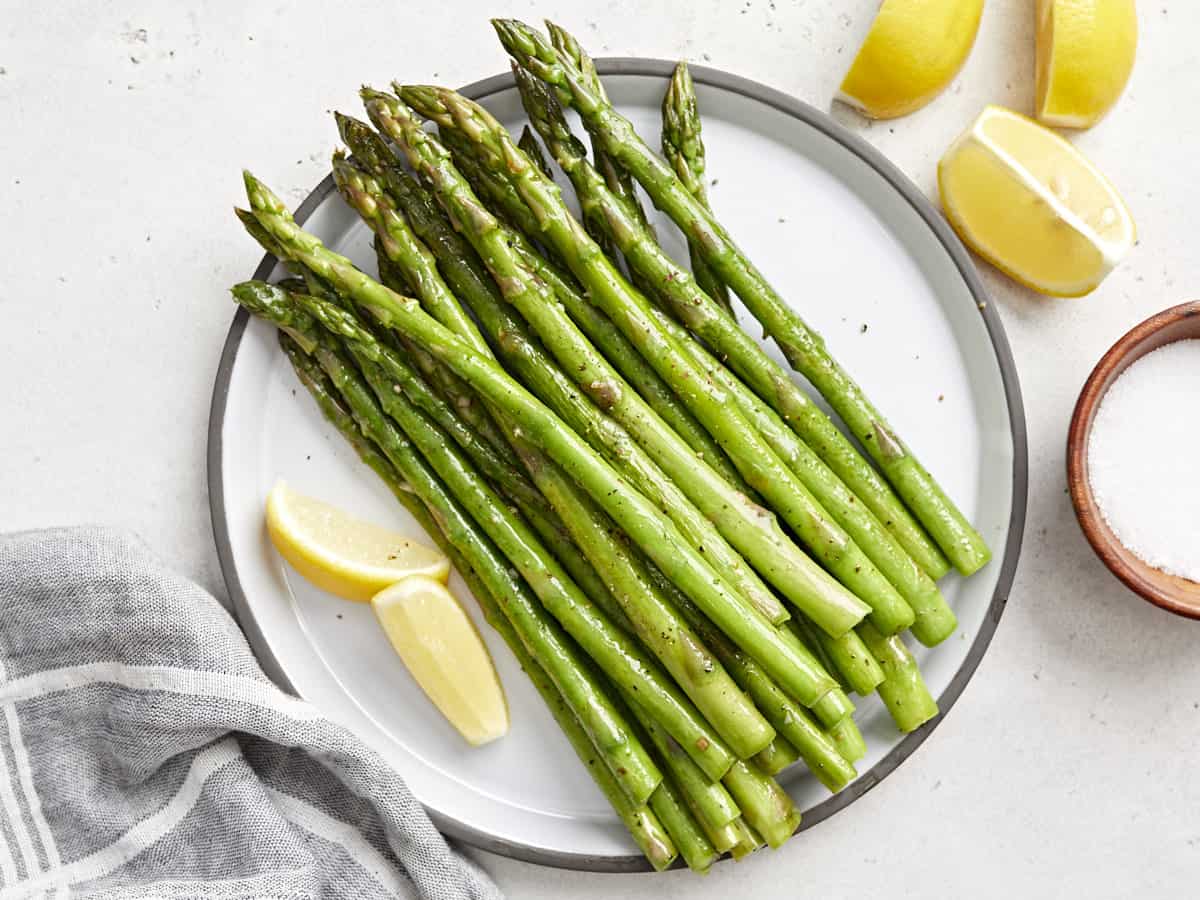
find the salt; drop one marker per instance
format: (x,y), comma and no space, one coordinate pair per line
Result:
(1144,458)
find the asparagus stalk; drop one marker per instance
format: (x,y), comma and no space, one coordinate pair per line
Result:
(618,179)
(673,805)
(918,590)
(633,315)
(749,840)
(849,659)
(463,268)
(669,806)
(765,805)
(791,721)
(745,525)
(803,348)
(447,383)
(581,688)
(777,756)
(592,321)
(849,740)
(656,623)
(903,690)
(707,798)
(643,825)
(683,148)
(647,527)
(933,620)
(529,145)
(770,380)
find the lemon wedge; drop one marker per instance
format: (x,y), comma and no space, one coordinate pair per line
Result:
(913,50)
(340,554)
(1032,205)
(445,654)
(1085,52)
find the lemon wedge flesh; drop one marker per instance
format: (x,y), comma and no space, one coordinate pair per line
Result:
(343,555)
(1085,52)
(445,654)
(1032,205)
(913,50)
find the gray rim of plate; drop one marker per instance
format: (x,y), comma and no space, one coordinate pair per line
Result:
(661,68)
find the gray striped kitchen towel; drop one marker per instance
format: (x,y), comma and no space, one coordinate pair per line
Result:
(143,752)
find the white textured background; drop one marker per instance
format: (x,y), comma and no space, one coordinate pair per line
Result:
(1069,766)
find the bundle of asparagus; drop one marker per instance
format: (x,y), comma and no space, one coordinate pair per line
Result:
(688,558)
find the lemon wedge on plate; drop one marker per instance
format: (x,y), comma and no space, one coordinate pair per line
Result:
(1085,52)
(913,50)
(1032,205)
(343,555)
(445,654)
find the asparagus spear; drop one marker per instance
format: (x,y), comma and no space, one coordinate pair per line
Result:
(903,690)
(647,527)
(707,798)
(802,347)
(683,147)
(609,731)
(655,621)
(644,826)
(725,838)
(671,803)
(745,525)
(847,658)
(849,740)
(592,321)
(765,806)
(618,179)
(463,269)
(777,756)
(632,314)
(669,806)
(447,383)
(621,184)
(791,720)
(749,840)
(530,147)
(935,621)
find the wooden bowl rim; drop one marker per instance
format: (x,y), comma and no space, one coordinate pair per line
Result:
(1087,511)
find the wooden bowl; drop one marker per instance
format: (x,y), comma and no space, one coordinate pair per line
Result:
(1179,595)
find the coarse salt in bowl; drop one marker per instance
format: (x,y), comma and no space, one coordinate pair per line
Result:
(1131,451)
(1143,454)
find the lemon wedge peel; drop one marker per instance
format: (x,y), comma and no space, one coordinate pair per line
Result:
(447,657)
(1110,250)
(343,555)
(891,75)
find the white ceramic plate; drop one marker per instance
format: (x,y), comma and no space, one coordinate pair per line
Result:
(867,261)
